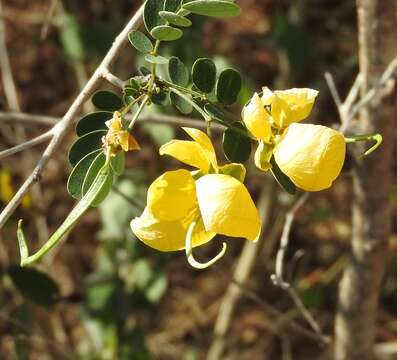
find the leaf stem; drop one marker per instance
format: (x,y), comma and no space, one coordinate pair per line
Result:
(191,102)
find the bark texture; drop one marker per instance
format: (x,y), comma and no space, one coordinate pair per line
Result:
(355,326)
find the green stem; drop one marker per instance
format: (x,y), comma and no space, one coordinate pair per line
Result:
(366,137)
(81,207)
(138,112)
(189,250)
(191,102)
(181,88)
(131,104)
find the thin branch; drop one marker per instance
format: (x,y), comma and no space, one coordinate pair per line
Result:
(61,128)
(27,145)
(15,116)
(374,91)
(334,91)
(278,278)
(353,93)
(114,80)
(293,325)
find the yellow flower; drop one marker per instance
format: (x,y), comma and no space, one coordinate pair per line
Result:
(218,202)
(117,137)
(279,109)
(311,156)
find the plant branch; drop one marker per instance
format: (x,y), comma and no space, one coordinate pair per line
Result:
(61,128)
(27,145)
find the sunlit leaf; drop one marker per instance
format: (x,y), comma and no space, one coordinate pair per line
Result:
(215,8)
(156,59)
(166,33)
(219,114)
(140,42)
(175,19)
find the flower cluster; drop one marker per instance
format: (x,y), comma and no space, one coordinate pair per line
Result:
(117,138)
(213,197)
(186,208)
(312,156)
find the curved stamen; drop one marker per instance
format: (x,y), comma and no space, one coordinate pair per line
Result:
(189,250)
(375,137)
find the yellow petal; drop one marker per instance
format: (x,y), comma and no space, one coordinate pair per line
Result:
(281,112)
(267,96)
(132,143)
(189,152)
(168,235)
(300,102)
(263,154)
(172,196)
(226,206)
(202,138)
(257,119)
(311,155)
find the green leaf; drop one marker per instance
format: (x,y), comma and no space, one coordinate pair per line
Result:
(181,104)
(215,8)
(91,175)
(166,33)
(228,86)
(100,182)
(160,99)
(178,72)
(219,114)
(235,170)
(71,38)
(153,59)
(175,19)
(34,285)
(92,122)
(85,144)
(204,74)
(237,147)
(76,178)
(284,181)
(107,100)
(118,163)
(172,5)
(140,42)
(151,15)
